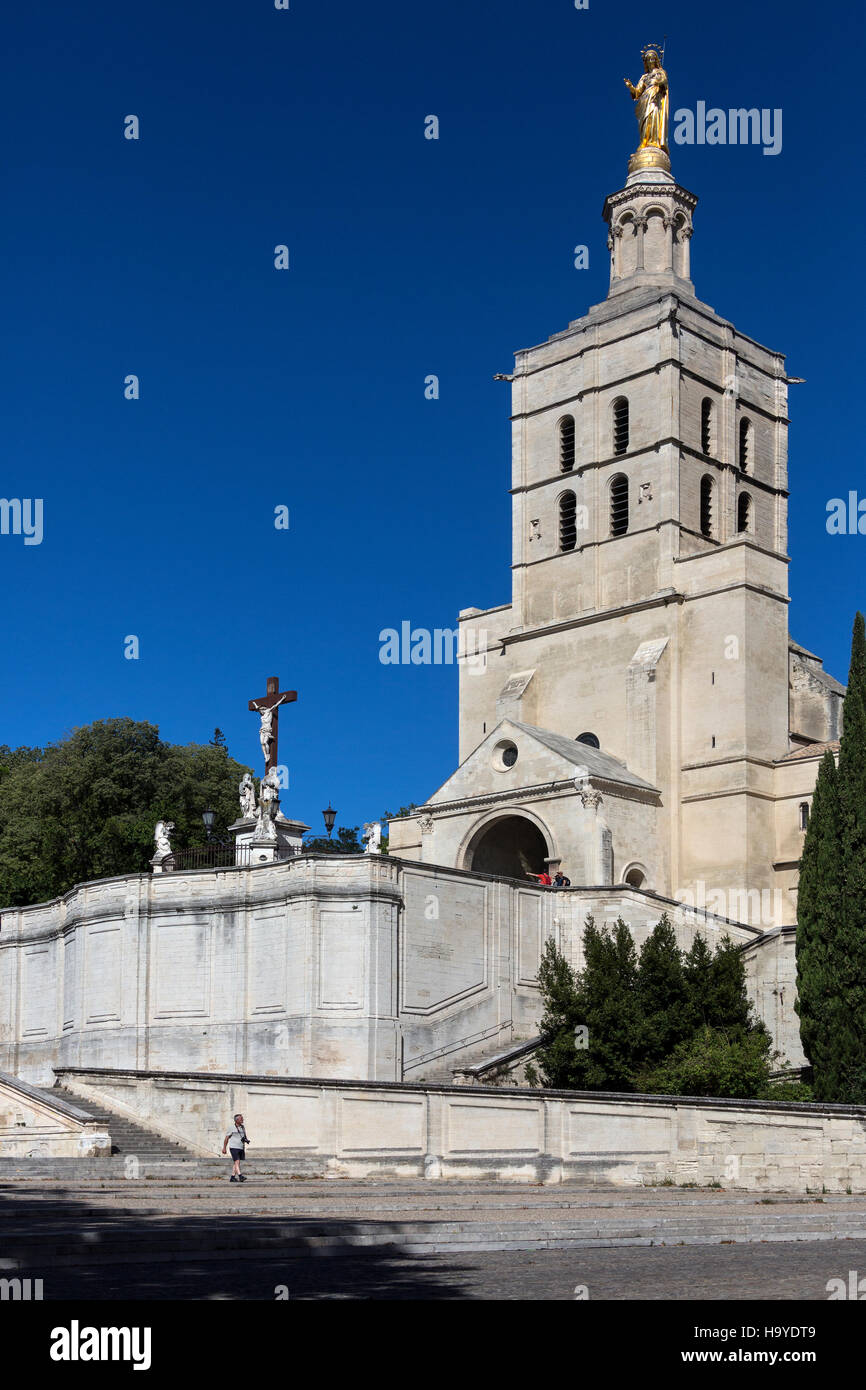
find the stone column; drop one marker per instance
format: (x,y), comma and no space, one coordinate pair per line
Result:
(598,843)
(640,229)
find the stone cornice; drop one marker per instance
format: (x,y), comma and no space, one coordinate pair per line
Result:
(562,787)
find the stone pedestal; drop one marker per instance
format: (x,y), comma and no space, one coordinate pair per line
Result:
(252,846)
(162,863)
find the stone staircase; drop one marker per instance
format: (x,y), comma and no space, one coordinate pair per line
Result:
(127,1136)
(131,1222)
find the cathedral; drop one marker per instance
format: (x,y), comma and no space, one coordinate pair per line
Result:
(636,716)
(638,712)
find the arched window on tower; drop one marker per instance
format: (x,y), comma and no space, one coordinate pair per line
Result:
(744,512)
(706,505)
(567,521)
(620,425)
(619,505)
(745,445)
(706,426)
(566,444)
(804,815)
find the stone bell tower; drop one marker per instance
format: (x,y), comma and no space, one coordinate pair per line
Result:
(649,526)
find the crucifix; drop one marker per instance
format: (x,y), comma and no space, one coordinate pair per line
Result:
(268,707)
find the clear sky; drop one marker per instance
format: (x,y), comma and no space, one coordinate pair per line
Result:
(305,388)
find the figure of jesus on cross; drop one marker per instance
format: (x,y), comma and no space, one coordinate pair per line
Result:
(267,707)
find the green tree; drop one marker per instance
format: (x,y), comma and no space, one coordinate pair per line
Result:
(714,1062)
(666,1021)
(849,950)
(563,1014)
(662,992)
(85,807)
(347,842)
(819,911)
(219,739)
(602,1000)
(831,906)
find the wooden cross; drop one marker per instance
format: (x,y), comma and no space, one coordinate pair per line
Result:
(272,701)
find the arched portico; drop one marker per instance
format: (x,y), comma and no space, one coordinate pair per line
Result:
(511,843)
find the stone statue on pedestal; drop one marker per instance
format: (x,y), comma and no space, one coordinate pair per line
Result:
(247,791)
(269,804)
(161,837)
(373,838)
(163,857)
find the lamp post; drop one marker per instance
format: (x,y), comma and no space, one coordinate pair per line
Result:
(209,819)
(329,816)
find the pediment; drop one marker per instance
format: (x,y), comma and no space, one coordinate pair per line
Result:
(515,757)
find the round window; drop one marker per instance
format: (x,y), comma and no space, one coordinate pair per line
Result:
(590,739)
(504,755)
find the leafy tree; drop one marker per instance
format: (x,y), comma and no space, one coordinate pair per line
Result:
(714,1062)
(819,908)
(662,992)
(601,999)
(219,739)
(849,940)
(666,1021)
(347,842)
(831,907)
(563,1014)
(86,806)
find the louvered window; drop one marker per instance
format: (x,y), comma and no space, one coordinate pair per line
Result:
(620,425)
(744,512)
(706,506)
(567,521)
(619,505)
(706,426)
(566,444)
(745,445)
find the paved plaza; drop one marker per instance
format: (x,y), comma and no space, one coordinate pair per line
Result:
(201,1238)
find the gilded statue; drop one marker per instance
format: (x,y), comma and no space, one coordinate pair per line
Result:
(651,100)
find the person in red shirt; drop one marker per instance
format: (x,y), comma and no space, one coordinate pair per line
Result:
(543,878)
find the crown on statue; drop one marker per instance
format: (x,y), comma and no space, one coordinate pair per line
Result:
(657,48)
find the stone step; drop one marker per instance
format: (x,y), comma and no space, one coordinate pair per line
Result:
(127,1136)
(76,1246)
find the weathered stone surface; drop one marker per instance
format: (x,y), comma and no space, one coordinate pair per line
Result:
(594,1139)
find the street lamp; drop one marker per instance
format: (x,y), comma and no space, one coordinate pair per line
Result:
(209,817)
(329,817)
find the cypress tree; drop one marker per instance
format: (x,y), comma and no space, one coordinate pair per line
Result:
(728,1002)
(819,913)
(849,942)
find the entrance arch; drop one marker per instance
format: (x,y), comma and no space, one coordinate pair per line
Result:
(512,845)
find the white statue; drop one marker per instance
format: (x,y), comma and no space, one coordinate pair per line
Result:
(269,800)
(247,791)
(373,838)
(266,731)
(160,835)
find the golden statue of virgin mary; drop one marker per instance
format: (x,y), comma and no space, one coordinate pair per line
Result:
(652,103)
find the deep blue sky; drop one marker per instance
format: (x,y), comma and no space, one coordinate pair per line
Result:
(305,388)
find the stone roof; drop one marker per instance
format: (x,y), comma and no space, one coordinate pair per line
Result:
(817,670)
(598,763)
(810,750)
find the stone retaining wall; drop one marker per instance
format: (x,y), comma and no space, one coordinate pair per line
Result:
(358,1129)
